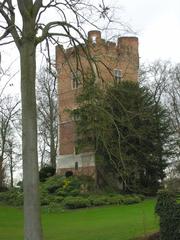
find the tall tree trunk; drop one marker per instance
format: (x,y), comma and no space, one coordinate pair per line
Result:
(1,172)
(11,165)
(52,147)
(32,222)
(52,136)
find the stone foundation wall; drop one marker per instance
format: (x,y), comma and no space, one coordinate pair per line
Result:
(79,164)
(87,171)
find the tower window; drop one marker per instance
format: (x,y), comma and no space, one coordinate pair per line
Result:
(117,75)
(76,79)
(94,39)
(76,165)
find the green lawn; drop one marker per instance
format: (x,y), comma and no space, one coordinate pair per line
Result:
(105,223)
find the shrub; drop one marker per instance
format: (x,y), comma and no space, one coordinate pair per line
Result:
(58,199)
(116,199)
(51,185)
(62,186)
(131,199)
(45,199)
(68,174)
(12,197)
(3,189)
(46,172)
(169,213)
(98,200)
(76,202)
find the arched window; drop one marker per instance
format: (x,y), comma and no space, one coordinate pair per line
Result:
(76,79)
(76,165)
(94,39)
(117,75)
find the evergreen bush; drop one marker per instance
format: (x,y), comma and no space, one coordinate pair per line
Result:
(76,202)
(13,197)
(169,212)
(46,172)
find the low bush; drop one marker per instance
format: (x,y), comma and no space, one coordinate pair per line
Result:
(46,172)
(131,199)
(76,202)
(62,186)
(12,197)
(70,193)
(116,199)
(46,199)
(3,189)
(98,200)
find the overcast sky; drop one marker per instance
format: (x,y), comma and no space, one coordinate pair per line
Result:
(157,23)
(158,26)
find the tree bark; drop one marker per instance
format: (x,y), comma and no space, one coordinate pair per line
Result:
(52,138)
(1,172)
(11,164)
(32,222)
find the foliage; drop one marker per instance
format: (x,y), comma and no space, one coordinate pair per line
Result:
(99,200)
(46,172)
(3,189)
(169,213)
(76,202)
(13,197)
(62,186)
(173,184)
(61,192)
(163,80)
(128,130)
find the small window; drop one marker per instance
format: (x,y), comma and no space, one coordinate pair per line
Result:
(76,165)
(76,79)
(94,39)
(117,75)
(76,116)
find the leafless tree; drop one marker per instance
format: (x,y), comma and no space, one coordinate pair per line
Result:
(8,111)
(47,115)
(13,160)
(163,78)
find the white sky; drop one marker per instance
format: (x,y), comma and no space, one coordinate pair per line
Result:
(158,25)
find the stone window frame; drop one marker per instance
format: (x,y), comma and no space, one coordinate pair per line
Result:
(76,78)
(76,165)
(117,73)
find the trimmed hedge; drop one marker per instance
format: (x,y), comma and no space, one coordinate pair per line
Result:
(76,202)
(12,197)
(98,200)
(169,212)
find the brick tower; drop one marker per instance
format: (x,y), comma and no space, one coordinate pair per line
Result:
(114,62)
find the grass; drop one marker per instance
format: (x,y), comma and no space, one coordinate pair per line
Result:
(104,223)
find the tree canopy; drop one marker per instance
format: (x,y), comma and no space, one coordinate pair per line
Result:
(128,131)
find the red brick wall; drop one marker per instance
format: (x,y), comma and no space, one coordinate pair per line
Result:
(108,56)
(87,171)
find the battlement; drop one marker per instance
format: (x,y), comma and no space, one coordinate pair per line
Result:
(94,38)
(124,45)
